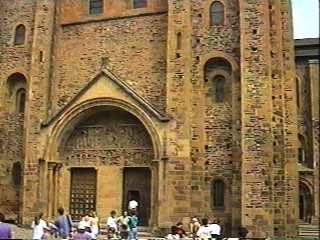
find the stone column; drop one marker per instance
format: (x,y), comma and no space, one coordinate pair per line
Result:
(179,93)
(315,114)
(256,119)
(38,102)
(50,186)
(56,187)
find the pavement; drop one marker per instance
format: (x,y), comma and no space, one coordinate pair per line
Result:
(26,233)
(19,232)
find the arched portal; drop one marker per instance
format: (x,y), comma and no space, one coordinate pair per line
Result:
(106,158)
(305,203)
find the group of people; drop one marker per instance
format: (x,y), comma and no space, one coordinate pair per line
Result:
(123,227)
(203,231)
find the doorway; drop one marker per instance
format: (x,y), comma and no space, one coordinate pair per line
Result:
(305,203)
(83,192)
(137,186)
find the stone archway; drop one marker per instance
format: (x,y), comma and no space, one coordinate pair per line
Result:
(305,203)
(95,151)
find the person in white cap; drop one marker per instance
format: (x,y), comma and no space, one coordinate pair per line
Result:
(81,234)
(133,204)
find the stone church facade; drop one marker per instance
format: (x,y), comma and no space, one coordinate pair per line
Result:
(194,108)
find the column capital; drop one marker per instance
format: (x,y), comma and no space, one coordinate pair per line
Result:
(51,165)
(313,61)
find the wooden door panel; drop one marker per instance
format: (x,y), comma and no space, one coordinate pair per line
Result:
(83,192)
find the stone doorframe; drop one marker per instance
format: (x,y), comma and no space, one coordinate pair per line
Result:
(65,122)
(308,208)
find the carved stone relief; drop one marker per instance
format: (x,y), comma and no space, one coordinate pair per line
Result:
(112,139)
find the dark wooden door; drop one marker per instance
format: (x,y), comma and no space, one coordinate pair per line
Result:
(83,192)
(137,186)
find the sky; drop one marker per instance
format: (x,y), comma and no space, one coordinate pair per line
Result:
(305,18)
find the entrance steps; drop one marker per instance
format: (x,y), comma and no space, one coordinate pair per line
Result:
(144,233)
(307,230)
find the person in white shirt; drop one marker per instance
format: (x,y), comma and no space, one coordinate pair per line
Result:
(133,204)
(112,221)
(204,232)
(215,230)
(38,227)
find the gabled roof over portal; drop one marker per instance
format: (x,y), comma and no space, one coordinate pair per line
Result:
(123,86)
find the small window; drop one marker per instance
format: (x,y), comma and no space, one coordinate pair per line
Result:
(217,13)
(139,3)
(218,190)
(219,88)
(95,6)
(21,100)
(298,92)
(16,173)
(179,40)
(20,35)
(301,149)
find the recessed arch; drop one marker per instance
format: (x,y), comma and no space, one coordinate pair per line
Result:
(218,54)
(74,115)
(306,206)
(218,74)
(218,63)
(17,92)
(16,80)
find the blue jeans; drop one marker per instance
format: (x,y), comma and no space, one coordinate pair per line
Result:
(133,234)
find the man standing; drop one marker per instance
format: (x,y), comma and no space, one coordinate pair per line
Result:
(5,230)
(64,224)
(215,230)
(133,225)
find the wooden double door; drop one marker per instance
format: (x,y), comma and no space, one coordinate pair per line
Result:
(136,185)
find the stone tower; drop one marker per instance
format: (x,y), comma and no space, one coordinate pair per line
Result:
(186,105)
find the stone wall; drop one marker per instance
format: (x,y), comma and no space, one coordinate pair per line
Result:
(134,49)
(248,140)
(11,162)
(13,59)
(212,122)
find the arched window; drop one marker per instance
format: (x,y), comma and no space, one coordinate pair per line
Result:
(139,3)
(21,100)
(218,74)
(218,88)
(298,92)
(16,173)
(217,192)
(20,35)
(179,40)
(217,13)
(17,85)
(95,6)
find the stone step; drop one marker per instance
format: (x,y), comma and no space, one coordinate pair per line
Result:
(309,230)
